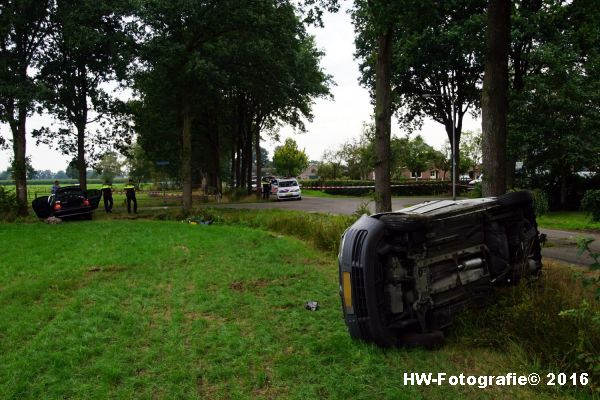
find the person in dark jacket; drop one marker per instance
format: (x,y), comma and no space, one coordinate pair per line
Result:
(130,194)
(266,189)
(55,187)
(107,195)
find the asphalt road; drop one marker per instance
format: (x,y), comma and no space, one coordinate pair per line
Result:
(561,245)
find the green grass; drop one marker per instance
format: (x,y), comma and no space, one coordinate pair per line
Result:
(569,220)
(164,309)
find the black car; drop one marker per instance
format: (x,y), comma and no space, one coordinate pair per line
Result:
(68,201)
(405,275)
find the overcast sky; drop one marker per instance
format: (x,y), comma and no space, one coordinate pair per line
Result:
(335,121)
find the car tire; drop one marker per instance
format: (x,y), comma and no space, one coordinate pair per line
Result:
(299,198)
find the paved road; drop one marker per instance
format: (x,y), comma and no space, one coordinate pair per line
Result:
(342,205)
(561,244)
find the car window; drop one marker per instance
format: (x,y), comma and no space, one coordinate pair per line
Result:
(288,183)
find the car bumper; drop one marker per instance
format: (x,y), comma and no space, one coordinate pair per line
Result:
(284,196)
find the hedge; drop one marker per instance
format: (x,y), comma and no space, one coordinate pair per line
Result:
(399,188)
(63,182)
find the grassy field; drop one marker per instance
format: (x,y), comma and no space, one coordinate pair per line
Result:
(569,220)
(153,309)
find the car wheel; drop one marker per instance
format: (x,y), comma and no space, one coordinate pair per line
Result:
(299,198)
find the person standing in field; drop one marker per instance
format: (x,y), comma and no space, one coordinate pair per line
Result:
(107,195)
(130,194)
(55,187)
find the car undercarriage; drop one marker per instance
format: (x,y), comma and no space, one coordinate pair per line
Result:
(405,275)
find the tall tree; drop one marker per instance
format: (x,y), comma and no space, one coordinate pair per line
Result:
(494,101)
(288,159)
(437,67)
(88,48)
(554,96)
(241,68)
(23,27)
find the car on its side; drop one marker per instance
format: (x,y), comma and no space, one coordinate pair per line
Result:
(405,275)
(288,189)
(68,201)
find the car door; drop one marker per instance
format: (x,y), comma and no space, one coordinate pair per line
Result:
(41,206)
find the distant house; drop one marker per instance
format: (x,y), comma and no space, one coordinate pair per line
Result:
(429,174)
(311,172)
(437,174)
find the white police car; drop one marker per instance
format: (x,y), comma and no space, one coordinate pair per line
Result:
(288,189)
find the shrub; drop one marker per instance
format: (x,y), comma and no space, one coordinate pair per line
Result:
(591,203)
(8,204)
(476,192)
(541,205)
(555,322)
(362,188)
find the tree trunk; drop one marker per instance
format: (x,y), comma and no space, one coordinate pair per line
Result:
(258,163)
(81,163)
(454,139)
(186,158)
(20,161)
(233,169)
(564,174)
(383,123)
(238,165)
(494,101)
(248,151)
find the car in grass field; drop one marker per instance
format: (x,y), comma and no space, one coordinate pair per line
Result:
(405,275)
(288,189)
(68,201)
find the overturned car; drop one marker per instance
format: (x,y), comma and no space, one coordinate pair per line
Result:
(405,275)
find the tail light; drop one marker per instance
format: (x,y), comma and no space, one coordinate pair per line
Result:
(57,206)
(86,202)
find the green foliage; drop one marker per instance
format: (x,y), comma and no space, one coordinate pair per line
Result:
(476,192)
(541,204)
(399,188)
(109,167)
(362,209)
(88,47)
(288,160)
(591,204)
(534,318)
(8,204)
(556,68)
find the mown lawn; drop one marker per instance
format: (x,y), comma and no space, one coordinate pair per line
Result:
(569,220)
(155,309)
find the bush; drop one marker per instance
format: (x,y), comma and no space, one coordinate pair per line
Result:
(534,318)
(362,188)
(8,204)
(541,204)
(591,203)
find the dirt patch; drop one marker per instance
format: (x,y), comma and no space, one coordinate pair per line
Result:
(182,248)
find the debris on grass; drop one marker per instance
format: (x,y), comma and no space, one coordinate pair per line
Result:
(312,306)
